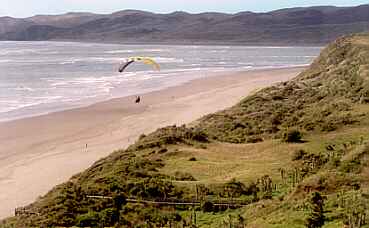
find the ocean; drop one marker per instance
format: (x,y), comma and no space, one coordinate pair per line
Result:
(42,77)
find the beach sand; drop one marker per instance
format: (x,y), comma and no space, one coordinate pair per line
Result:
(38,153)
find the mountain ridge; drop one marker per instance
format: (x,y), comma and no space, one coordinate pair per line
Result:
(303,25)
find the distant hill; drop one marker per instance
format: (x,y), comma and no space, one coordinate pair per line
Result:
(64,21)
(310,25)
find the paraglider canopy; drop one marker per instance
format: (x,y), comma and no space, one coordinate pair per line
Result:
(145,60)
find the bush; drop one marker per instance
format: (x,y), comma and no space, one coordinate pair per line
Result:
(109,217)
(352,166)
(298,155)
(91,219)
(162,151)
(119,201)
(153,188)
(251,189)
(254,139)
(292,136)
(192,159)
(180,176)
(267,195)
(170,135)
(316,216)
(142,136)
(234,188)
(207,206)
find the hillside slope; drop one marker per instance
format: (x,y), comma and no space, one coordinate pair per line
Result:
(213,162)
(310,25)
(322,98)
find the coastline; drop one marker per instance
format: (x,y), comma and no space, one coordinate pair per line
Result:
(200,42)
(39,152)
(50,108)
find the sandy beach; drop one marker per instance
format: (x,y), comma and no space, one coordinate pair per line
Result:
(39,152)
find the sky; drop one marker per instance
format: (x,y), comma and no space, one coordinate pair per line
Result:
(26,8)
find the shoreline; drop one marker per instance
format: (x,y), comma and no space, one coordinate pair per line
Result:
(40,152)
(186,43)
(33,111)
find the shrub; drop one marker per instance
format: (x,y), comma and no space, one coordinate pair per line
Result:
(180,176)
(119,201)
(355,206)
(234,188)
(91,219)
(142,136)
(292,136)
(163,150)
(267,195)
(153,188)
(251,189)
(254,139)
(192,159)
(170,135)
(298,155)
(207,206)
(316,215)
(352,166)
(108,217)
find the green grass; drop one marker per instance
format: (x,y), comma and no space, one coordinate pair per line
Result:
(209,220)
(221,162)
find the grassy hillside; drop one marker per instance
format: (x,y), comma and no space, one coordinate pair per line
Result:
(277,150)
(323,98)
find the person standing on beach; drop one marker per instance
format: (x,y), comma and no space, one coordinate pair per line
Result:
(138,99)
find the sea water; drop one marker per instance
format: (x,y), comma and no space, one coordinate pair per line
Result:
(42,77)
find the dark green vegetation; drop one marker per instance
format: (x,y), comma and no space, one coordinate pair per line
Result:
(296,153)
(316,217)
(306,25)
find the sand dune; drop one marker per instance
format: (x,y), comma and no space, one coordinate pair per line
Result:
(39,152)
